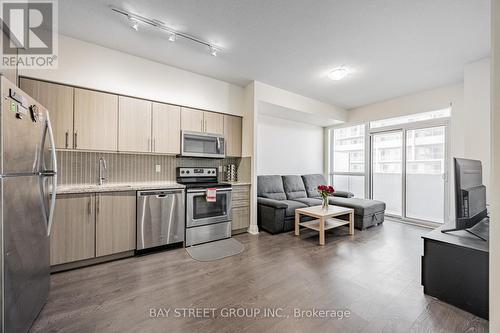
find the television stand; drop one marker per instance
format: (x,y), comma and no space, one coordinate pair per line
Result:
(455,269)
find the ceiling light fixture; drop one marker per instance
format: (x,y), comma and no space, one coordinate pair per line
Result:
(338,73)
(173,34)
(134,24)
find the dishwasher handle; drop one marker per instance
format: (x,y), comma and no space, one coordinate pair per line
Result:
(159,194)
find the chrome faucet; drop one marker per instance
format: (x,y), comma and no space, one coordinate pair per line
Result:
(103,171)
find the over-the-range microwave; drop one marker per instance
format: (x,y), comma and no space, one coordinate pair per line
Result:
(196,144)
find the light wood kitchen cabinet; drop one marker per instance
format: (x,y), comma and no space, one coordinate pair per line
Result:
(232,135)
(134,125)
(202,121)
(241,218)
(240,208)
(58,99)
(95,120)
(192,120)
(115,222)
(73,231)
(214,122)
(166,128)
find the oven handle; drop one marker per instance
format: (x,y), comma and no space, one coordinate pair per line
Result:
(225,189)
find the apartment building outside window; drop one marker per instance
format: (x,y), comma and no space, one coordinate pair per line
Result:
(347,159)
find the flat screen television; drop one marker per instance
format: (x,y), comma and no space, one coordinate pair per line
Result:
(470,198)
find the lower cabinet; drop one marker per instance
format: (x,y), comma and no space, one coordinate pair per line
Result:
(241,208)
(115,223)
(92,225)
(241,218)
(73,230)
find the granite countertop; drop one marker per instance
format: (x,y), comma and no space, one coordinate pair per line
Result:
(116,187)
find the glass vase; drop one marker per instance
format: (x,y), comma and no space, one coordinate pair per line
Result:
(325,203)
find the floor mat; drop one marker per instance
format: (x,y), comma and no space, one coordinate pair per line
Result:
(215,250)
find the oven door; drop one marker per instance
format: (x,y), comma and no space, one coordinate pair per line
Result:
(196,144)
(201,212)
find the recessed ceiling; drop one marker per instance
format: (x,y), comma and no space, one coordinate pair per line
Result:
(391,47)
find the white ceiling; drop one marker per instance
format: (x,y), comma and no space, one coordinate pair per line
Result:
(394,47)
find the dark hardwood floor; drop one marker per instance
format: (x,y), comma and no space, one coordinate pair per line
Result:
(374,274)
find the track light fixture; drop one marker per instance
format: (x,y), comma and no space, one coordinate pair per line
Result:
(135,19)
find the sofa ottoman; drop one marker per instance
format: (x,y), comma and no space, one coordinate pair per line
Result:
(367,213)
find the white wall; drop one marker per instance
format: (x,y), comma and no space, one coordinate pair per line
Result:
(292,101)
(477,114)
(92,66)
(288,147)
(495,167)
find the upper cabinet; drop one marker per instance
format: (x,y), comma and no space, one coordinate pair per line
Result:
(166,129)
(85,119)
(202,121)
(95,119)
(134,125)
(192,120)
(214,122)
(232,134)
(58,99)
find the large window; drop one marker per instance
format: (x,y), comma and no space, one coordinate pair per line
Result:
(347,159)
(400,161)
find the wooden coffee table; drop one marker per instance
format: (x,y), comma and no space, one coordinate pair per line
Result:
(324,219)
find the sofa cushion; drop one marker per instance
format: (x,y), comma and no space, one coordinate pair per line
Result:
(294,187)
(270,187)
(310,201)
(292,206)
(361,207)
(311,183)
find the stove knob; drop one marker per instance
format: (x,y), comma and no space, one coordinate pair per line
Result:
(182,171)
(187,171)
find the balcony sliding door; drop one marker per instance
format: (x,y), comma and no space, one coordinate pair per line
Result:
(408,172)
(387,170)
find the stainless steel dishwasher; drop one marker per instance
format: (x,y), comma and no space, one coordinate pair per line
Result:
(160,218)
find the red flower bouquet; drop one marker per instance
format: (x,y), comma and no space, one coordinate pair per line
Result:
(325,191)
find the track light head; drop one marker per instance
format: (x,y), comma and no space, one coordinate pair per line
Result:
(213,51)
(134,24)
(172,37)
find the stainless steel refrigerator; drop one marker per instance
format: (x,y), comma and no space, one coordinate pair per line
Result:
(28,175)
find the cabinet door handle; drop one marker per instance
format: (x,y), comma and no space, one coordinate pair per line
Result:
(98,205)
(75,139)
(153,149)
(66,138)
(202,125)
(149,144)
(89,206)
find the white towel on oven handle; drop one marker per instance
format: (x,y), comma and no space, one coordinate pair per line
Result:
(211,194)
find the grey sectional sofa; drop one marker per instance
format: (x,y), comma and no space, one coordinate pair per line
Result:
(279,196)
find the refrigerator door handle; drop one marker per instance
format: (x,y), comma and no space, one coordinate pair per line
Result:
(54,177)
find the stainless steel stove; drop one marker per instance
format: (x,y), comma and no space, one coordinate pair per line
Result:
(206,220)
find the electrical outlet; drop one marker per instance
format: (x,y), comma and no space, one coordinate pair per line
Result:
(158,168)
(220,168)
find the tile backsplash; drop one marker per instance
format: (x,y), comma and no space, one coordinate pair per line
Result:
(77,167)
